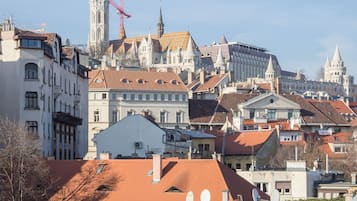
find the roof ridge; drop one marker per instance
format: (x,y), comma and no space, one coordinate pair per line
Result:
(215,111)
(104,79)
(323,112)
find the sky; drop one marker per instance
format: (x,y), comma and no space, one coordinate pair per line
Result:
(300,33)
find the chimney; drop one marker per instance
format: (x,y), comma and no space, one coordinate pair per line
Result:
(225,195)
(353,178)
(202,76)
(105,156)
(157,168)
(189,77)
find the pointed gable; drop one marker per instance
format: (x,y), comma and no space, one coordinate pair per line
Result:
(270,101)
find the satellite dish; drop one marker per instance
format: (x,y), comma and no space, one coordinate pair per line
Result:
(189,196)
(205,195)
(255,194)
(275,196)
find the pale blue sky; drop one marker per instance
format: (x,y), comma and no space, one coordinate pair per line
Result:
(300,32)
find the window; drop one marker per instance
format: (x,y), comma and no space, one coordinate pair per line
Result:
(104,96)
(130,112)
(155,97)
(238,166)
(200,148)
(114,96)
(96,116)
(283,187)
(177,97)
(248,166)
(251,114)
(30,43)
(169,97)
(162,97)
(32,127)
(31,71)
(271,114)
(140,96)
(184,97)
(290,114)
(163,117)
(147,96)
(114,116)
(178,117)
(132,96)
(31,101)
(124,97)
(206,148)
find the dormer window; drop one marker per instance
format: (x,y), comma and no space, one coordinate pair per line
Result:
(141,81)
(30,43)
(125,81)
(160,81)
(174,82)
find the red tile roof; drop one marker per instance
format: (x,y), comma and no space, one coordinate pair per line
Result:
(136,80)
(342,137)
(135,184)
(339,106)
(212,82)
(243,143)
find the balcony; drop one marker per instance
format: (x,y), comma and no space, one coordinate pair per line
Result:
(66,118)
(260,120)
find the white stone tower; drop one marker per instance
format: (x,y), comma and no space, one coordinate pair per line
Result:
(336,70)
(99,27)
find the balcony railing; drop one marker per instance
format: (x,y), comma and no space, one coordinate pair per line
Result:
(66,118)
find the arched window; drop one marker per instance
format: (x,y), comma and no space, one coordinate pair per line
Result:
(31,71)
(99,17)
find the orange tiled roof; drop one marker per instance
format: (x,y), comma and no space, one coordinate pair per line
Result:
(135,80)
(211,83)
(244,143)
(284,124)
(265,86)
(135,184)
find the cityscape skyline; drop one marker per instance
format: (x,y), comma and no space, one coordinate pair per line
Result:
(302,35)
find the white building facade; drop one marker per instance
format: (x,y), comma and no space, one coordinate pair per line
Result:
(113,95)
(45,89)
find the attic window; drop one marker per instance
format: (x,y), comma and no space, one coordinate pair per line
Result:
(125,81)
(174,189)
(104,188)
(174,82)
(160,81)
(98,81)
(141,81)
(271,100)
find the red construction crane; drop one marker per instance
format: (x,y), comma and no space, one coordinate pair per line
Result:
(122,13)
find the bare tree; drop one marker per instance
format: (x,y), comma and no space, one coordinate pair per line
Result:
(24,174)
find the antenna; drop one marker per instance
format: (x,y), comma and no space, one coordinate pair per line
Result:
(205,195)
(255,194)
(189,196)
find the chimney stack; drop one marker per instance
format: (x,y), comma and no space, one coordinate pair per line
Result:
(225,195)
(202,76)
(157,168)
(353,178)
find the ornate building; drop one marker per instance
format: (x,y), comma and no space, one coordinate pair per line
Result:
(45,88)
(242,60)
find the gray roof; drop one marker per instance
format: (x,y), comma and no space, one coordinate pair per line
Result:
(196,134)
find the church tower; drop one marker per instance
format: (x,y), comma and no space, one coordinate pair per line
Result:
(270,72)
(99,27)
(160,26)
(336,70)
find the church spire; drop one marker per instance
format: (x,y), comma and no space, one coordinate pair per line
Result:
(327,62)
(220,60)
(160,25)
(270,72)
(122,34)
(337,55)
